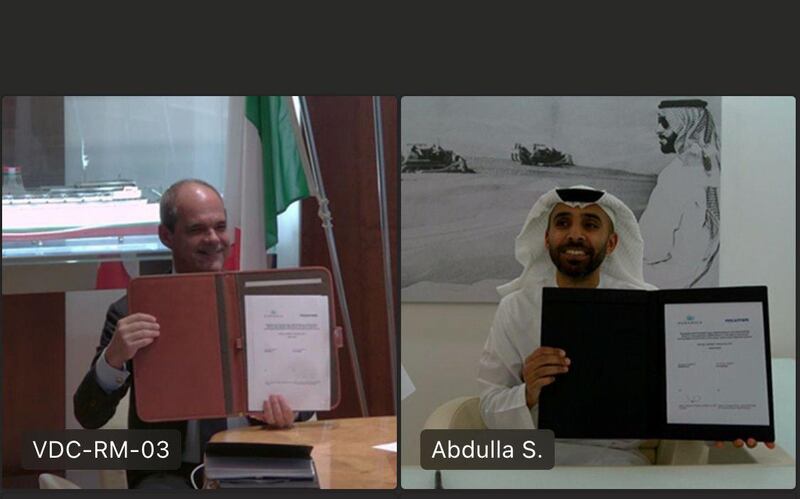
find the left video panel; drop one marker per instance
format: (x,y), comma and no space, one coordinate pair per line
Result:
(171,278)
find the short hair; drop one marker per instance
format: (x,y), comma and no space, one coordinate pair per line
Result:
(168,206)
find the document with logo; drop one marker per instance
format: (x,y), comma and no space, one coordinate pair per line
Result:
(235,338)
(288,350)
(679,364)
(716,364)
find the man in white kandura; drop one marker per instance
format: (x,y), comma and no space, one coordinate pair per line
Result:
(575,237)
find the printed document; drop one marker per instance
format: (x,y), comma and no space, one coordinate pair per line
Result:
(716,364)
(288,350)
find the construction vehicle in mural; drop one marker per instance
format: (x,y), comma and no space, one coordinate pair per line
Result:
(432,159)
(540,155)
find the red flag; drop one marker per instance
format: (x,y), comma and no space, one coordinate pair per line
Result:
(112,275)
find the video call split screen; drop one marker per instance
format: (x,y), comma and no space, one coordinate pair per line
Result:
(381,293)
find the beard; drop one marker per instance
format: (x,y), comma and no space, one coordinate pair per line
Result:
(667,142)
(577,268)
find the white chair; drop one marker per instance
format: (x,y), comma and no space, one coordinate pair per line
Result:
(465,413)
(462,413)
(109,479)
(50,481)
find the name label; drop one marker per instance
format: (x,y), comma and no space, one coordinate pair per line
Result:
(487,449)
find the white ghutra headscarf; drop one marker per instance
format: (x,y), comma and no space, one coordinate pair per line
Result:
(624,263)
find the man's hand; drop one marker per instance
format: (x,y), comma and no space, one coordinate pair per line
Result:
(751,443)
(133,332)
(277,412)
(540,369)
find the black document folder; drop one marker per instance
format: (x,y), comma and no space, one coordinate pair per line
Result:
(253,465)
(674,364)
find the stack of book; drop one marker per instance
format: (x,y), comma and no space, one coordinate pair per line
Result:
(248,465)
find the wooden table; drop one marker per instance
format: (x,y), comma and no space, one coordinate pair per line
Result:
(343,452)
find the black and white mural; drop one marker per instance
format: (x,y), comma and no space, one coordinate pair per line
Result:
(472,167)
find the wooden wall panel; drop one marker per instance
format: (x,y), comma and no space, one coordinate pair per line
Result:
(344,135)
(33,375)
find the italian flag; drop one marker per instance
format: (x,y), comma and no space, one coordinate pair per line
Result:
(267,170)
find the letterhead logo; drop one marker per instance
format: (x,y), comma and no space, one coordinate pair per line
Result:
(690,320)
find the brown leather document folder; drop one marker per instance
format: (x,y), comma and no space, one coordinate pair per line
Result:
(197,367)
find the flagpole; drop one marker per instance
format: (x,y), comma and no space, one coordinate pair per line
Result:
(387,256)
(325,215)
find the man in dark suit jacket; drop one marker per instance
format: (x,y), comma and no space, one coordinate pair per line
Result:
(193,226)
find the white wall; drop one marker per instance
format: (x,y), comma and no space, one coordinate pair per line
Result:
(758,241)
(441,343)
(440,347)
